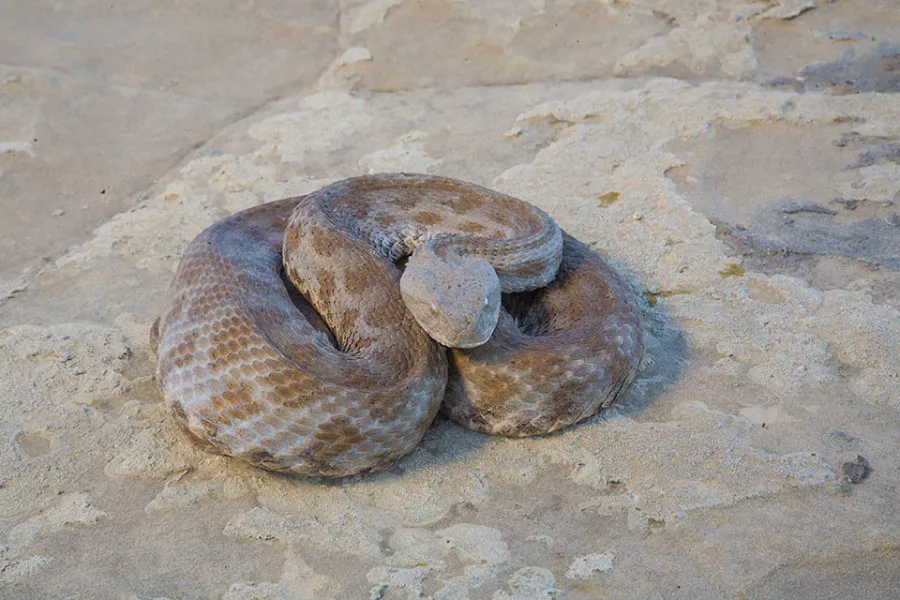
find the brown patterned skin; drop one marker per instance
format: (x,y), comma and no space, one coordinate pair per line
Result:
(558,354)
(343,379)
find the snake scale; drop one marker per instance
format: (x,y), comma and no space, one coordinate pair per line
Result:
(299,335)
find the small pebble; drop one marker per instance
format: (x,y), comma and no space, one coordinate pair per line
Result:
(637,216)
(856,470)
(58,212)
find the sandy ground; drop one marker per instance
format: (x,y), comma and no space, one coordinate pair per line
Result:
(740,160)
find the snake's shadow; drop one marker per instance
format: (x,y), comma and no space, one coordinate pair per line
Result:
(665,361)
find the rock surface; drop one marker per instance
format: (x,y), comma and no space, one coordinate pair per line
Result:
(738,159)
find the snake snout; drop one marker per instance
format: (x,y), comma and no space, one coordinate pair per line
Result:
(477,328)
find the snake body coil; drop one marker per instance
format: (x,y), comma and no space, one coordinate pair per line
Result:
(342,378)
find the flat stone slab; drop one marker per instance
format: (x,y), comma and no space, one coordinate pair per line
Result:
(722,472)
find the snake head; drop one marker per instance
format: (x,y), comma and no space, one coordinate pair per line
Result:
(456,301)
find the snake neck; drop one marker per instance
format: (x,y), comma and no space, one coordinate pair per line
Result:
(348,238)
(527,261)
(353,288)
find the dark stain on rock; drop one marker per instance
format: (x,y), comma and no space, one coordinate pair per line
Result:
(852,73)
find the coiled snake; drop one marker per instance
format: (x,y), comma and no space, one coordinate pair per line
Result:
(339,376)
